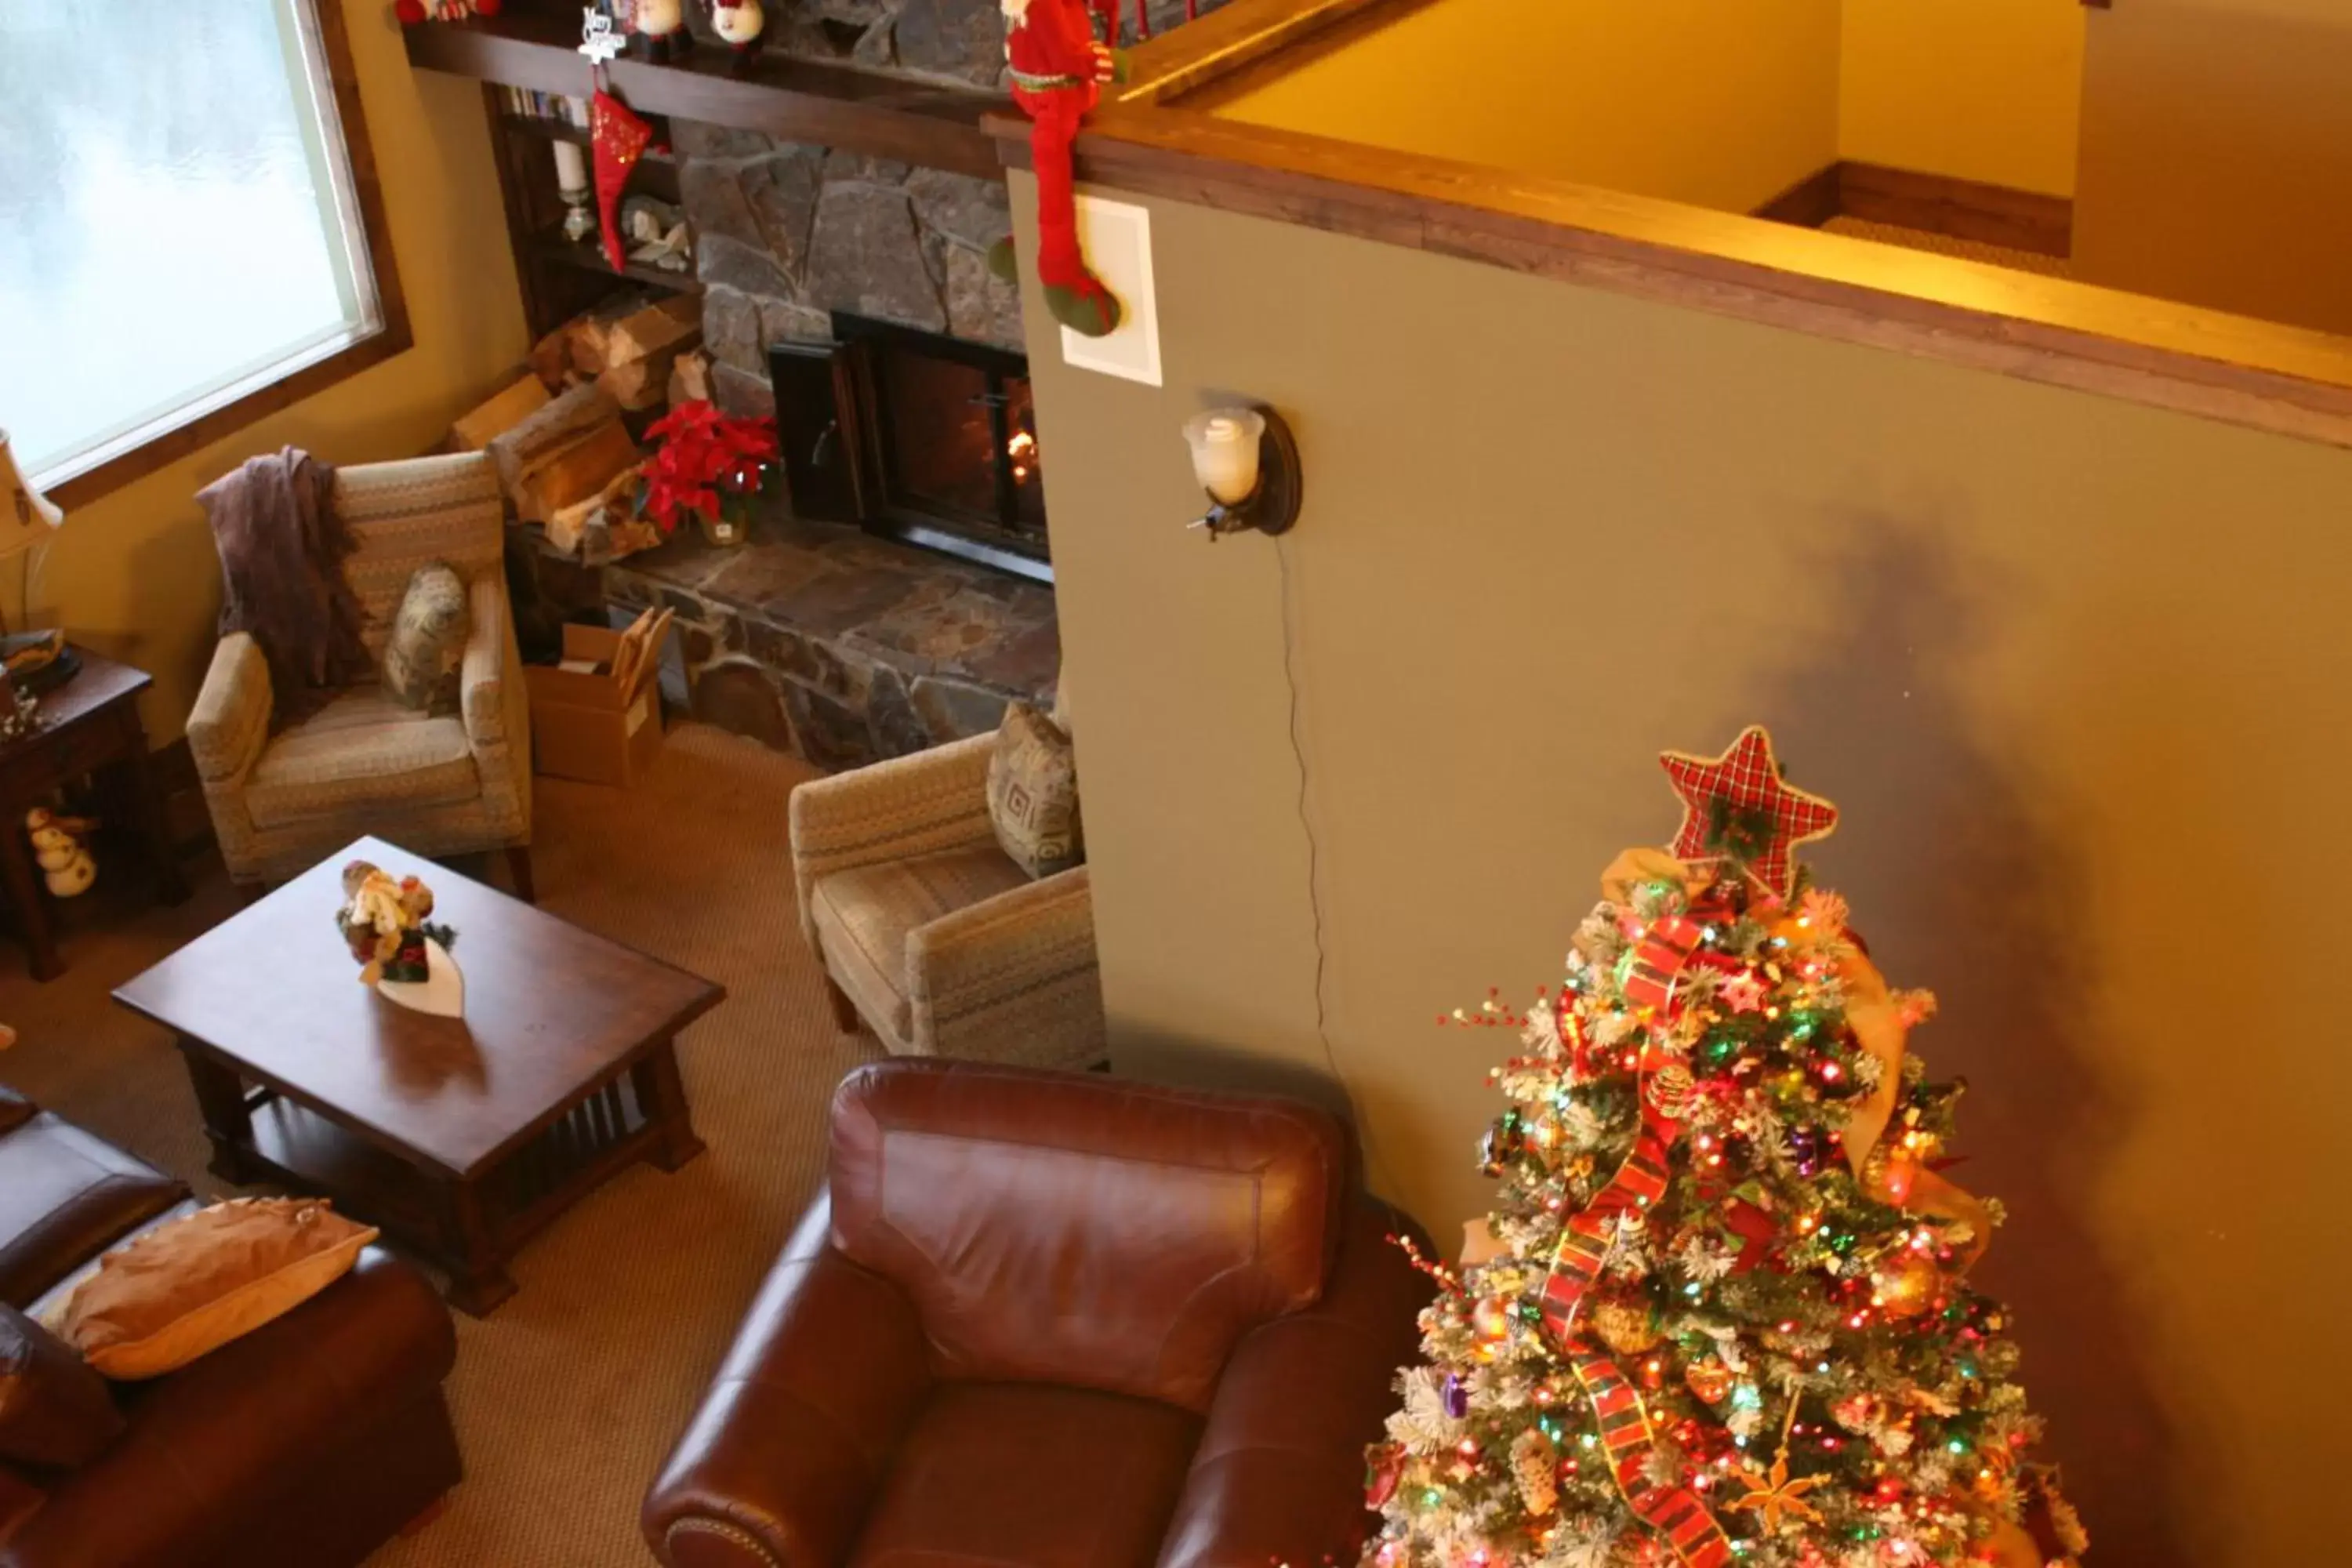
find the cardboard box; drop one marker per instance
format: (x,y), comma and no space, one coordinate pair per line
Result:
(583,725)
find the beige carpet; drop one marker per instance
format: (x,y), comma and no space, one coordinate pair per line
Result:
(568,1397)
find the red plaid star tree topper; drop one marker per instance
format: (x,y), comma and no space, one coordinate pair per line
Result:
(1737,809)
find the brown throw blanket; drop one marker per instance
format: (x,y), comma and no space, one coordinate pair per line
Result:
(282,549)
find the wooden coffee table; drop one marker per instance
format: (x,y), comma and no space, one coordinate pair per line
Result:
(460,1137)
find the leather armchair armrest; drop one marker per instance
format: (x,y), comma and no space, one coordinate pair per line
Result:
(794,1436)
(1279,1475)
(916,804)
(231,721)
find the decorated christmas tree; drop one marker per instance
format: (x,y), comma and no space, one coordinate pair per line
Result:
(1719,1314)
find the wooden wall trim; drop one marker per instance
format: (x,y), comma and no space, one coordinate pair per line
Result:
(1963,209)
(1933,204)
(1811,201)
(2270,377)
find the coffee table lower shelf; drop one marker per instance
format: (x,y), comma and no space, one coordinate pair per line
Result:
(469,1226)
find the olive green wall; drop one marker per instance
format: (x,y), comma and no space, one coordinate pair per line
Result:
(134,573)
(2075,669)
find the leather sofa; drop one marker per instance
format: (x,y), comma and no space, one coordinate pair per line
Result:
(306,1444)
(1058,1321)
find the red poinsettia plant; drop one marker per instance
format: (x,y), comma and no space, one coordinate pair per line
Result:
(708,465)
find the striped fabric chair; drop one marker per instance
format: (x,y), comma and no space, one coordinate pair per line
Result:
(434,784)
(929,933)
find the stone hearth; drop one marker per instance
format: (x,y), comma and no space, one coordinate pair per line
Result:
(845,648)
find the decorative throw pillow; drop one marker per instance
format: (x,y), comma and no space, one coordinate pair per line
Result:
(1033,792)
(53,1410)
(162,1299)
(427,644)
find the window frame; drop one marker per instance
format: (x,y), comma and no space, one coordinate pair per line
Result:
(278,386)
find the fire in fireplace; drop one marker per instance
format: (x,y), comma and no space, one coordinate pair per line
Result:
(923,438)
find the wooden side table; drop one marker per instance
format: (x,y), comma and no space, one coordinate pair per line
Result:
(89,725)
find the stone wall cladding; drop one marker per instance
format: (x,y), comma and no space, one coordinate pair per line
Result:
(787,234)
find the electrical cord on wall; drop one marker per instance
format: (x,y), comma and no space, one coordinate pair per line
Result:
(1315,876)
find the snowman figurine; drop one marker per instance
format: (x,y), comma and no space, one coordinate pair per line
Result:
(659,28)
(65,865)
(739,24)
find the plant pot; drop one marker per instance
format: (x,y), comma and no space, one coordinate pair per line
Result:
(731,527)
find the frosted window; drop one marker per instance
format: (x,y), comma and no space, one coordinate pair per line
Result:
(177,223)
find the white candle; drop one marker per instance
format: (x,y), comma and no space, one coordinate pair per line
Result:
(1225,444)
(571,169)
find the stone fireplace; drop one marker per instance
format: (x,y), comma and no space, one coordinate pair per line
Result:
(918,437)
(845,629)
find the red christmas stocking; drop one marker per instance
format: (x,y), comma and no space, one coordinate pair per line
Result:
(617,138)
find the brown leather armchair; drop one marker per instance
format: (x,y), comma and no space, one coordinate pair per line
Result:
(1059,1320)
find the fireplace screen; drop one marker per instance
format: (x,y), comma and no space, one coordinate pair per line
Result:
(923,438)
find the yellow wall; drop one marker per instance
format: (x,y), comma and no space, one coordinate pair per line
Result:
(1979,90)
(2070,665)
(134,573)
(2217,155)
(1722,103)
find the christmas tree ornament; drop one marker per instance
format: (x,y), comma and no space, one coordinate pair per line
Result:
(1709,1379)
(1906,1285)
(1736,812)
(1058,67)
(1624,1327)
(1723,1206)
(1774,1495)
(1383,1469)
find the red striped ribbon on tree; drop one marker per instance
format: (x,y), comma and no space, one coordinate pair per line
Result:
(1674,1512)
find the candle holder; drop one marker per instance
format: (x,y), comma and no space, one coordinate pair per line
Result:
(1247,460)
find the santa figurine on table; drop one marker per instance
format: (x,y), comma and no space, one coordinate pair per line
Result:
(1058,69)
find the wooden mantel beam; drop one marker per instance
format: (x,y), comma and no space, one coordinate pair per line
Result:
(790,99)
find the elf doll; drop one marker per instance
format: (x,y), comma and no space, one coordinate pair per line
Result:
(1058,69)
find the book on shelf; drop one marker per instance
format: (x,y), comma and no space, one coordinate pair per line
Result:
(525,103)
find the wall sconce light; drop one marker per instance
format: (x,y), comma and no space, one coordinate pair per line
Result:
(1247,461)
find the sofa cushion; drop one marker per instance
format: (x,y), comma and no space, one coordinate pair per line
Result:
(54,1412)
(184,1290)
(1033,1474)
(361,752)
(863,917)
(64,1196)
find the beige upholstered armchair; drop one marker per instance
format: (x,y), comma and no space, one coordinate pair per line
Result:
(928,932)
(436,784)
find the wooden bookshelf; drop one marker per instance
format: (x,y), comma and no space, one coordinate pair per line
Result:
(560,278)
